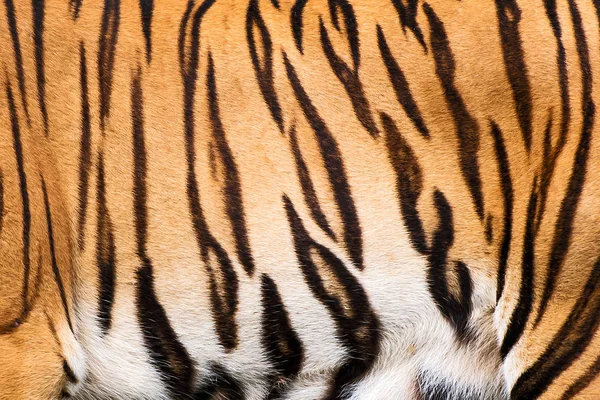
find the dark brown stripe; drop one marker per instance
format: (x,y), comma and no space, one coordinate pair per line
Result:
(264,69)
(38,39)
(408,19)
(105,253)
(583,381)
(85,145)
(167,353)
(297,23)
(233,189)
(14,34)
(564,224)
(347,303)
(222,386)
(334,165)
(409,181)
(520,315)
(400,85)
(147,8)
(507,200)
(308,189)
(75,8)
(106,55)
(466,126)
(509,16)
(55,269)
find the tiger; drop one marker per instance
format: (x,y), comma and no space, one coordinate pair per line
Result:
(298,200)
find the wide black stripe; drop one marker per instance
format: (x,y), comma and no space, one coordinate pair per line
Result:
(18,149)
(564,224)
(409,181)
(85,161)
(222,386)
(400,85)
(456,309)
(408,19)
(105,253)
(55,269)
(520,315)
(283,347)
(308,189)
(344,297)
(233,188)
(167,353)
(297,23)
(106,55)
(75,8)
(334,165)
(264,69)
(466,126)
(567,345)
(583,381)
(349,76)
(509,16)
(507,201)
(38,39)
(14,34)
(223,282)
(147,8)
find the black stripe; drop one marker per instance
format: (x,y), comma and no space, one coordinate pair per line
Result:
(75,8)
(264,72)
(507,200)
(409,181)
(67,370)
(233,188)
(297,23)
(509,16)
(466,126)
(222,386)
(167,353)
(520,315)
(223,280)
(456,310)
(408,19)
(349,76)
(85,145)
(14,34)
(564,224)
(55,269)
(276,4)
(400,85)
(18,149)
(106,55)
(147,8)
(334,165)
(308,189)
(38,39)
(105,253)
(583,381)
(350,26)
(567,345)
(348,304)
(282,345)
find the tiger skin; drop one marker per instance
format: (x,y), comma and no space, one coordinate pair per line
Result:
(254,199)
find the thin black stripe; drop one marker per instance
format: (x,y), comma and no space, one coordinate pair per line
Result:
(520,315)
(400,85)
(408,19)
(466,126)
(507,200)
(38,38)
(409,181)
(75,8)
(509,16)
(147,8)
(297,23)
(18,149)
(334,165)
(264,72)
(106,55)
(84,149)
(222,386)
(564,223)
(55,269)
(349,76)
(105,253)
(14,34)
(233,189)
(350,25)
(67,370)
(583,381)
(308,189)
(167,353)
